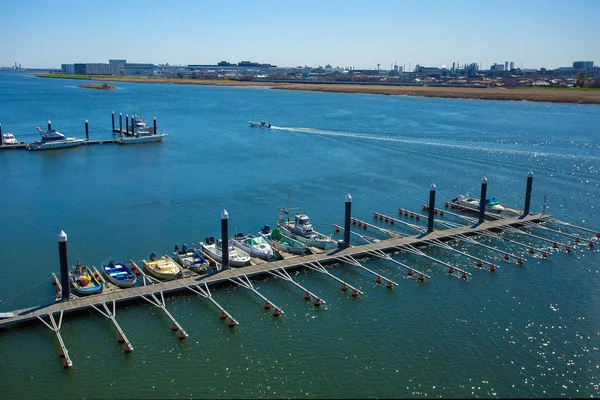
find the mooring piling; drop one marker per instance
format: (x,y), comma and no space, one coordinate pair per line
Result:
(87,131)
(224,240)
(482,199)
(431,208)
(113,121)
(528,193)
(347,217)
(127,124)
(49,125)
(64,265)
(121,125)
(155,125)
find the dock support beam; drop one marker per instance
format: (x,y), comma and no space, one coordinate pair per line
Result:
(224,240)
(113,121)
(283,274)
(56,329)
(347,220)
(528,193)
(87,131)
(431,208)
(248,285)
(155,125)
(161,304)
(111,315)
(482,199)
(205,292)
(64,265)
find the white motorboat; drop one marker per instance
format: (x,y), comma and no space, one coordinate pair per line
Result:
(301,229)
(9,138)
(472,204)
(141,133)
(261,124)
(279,241)
(237,257)
(256,246)
(53,139)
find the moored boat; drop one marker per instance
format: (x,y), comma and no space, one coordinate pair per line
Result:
(141,133)
(163,268)
(261,124)
(301,229)
(9,139)
(53,139)
(256,246)
(119,274)
(83,281)
(472,204)
(237,257)
(281,242)
(190,259)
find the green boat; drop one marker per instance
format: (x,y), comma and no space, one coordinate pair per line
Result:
(282,242)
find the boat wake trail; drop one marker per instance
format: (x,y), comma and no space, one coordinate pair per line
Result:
(423,142)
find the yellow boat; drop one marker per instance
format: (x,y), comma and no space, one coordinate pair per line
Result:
(164,268)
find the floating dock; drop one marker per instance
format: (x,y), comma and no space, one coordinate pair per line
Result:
(334,256)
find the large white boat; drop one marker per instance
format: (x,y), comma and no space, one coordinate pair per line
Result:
(141,133)
(472,204)
(9,138)
(301,229)
(53,139)
(256,246)
(261,124)
(237,257)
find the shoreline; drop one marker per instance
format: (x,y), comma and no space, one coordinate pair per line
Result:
(550,95)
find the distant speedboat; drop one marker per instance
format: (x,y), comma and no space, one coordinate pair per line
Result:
(9,138)
(261,124)
(53,139)
(141,133)
(472,204)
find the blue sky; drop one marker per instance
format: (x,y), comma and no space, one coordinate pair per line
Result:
(362,34)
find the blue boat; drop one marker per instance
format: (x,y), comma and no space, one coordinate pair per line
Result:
(191,259)
(83,281)
(118,273)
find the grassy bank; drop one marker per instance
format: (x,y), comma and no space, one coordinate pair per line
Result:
(553,95)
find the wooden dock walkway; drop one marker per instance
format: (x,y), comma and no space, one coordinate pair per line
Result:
(334,256)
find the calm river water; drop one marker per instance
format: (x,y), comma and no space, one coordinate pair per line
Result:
(530,331)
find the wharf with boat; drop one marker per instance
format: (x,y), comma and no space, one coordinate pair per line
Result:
(135,133)
(154,287)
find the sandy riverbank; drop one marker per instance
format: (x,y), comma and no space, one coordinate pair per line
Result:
(562,95)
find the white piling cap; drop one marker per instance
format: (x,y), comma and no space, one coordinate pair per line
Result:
(155,118)
(86,121)
(348,198)
(224,214)
(484,180)
(62,236)
(530,174)
(121,114)
(113,113)
(432,187)
(49,121)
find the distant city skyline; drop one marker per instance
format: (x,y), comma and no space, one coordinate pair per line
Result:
(535,34)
